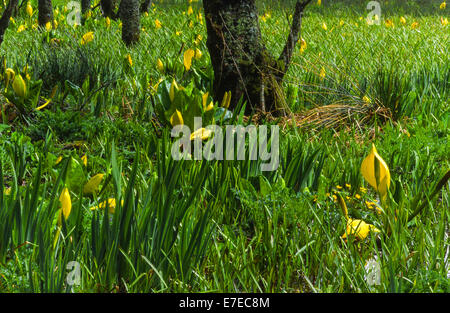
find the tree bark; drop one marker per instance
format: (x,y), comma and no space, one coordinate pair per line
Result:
(85,6)
(129,14)
(145,6)
(45,13)
(108,7)
(4,20)
(241,62)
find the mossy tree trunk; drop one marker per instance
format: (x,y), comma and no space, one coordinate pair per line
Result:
(4,20)
(108,7)
(145,6)
(45,13)
(85,6)
(241,62)
(129,14)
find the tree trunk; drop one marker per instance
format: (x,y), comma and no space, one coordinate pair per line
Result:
(241,62)
(85,6)
(129,14)
(108,7)
(145,6)
(45,13)
(4,21)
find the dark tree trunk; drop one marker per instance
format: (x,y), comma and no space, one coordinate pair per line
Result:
(45,13)
(4,20)
(85,6)
(129,14)
(108,7)
(241,62)
(145,6)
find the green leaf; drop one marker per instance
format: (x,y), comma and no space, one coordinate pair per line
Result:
(75,176)
(264,186)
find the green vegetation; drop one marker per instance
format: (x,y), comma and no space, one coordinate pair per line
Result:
(154,224)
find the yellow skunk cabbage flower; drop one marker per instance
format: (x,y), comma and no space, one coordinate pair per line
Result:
(173,87)
(319,2)
(414,25)
(389,23)
(190,11)
(226,100)
(21,28)
(198,54)
(58,160)
(160,65)
(198,39)
(92,185)
(376,172)
(444,21)
(403,20)
(443,5)
(366,100)
(19,86)
(209,107)
(66,203)
(84,159)
(48,26)
(355,227)
(158,24)
(187,58)
(129,59)
(323,73)
(111,205)
(10,74)
(342,205)
(29,9)
(88,37)
(176,118)
(324,26)
(201,133)
(303,45)
(49,100)
(108,22)
(359,229)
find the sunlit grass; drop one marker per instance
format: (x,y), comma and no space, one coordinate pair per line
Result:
(226,226)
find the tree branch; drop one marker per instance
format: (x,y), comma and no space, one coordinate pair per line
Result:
(293,37)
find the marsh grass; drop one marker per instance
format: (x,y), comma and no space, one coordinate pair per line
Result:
(225,226)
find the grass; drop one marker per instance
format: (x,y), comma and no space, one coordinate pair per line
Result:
(225,226)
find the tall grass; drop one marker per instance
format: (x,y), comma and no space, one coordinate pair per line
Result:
(226,226)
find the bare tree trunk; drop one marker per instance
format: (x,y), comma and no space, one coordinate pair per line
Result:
(241,62)
(108,7)
(145,6)
(45,14)
(85,6)
(129,14)
(4,20)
